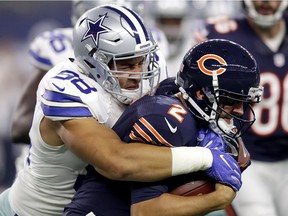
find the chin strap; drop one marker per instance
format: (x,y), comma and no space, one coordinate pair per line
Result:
(194,104)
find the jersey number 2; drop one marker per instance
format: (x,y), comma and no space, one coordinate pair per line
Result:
(177,111)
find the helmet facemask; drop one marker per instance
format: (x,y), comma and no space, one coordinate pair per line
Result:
(147,79)
(239,124)
(210,108)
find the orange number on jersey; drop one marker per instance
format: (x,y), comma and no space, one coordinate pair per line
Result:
(177,111)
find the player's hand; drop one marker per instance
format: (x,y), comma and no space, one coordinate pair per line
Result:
(225,169)
(232,146)
(225,195)
(209,139)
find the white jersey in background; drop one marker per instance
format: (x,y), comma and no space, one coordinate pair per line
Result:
(50,172)
(51,47)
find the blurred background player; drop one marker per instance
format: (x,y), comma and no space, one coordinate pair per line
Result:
(263,31)
(174,19)
(48,49)
(174,120)
(45,51)
(178,19)
(15,69)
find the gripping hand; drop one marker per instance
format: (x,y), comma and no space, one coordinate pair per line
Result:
(209,139)
(236,148)
(225,169)
(233,146)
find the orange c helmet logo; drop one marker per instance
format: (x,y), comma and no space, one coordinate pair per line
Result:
(202,67)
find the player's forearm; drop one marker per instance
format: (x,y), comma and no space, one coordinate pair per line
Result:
(139,162)
(143,162)
(168,204)
(101,147)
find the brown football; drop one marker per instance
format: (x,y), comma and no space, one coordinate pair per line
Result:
(194,186)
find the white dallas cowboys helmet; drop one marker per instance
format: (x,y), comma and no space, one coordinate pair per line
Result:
(109,33)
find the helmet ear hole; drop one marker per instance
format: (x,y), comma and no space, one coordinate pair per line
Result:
(89,64)
(199,94)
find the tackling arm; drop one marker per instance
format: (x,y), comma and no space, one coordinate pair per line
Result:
(174,205)
(100,146)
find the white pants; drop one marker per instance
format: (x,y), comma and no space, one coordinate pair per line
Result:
(264,190)
(5,208)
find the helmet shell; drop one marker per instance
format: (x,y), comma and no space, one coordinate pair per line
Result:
(235,68)
(108,33)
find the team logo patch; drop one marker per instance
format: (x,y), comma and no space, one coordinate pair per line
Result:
(201,64)
(95,28)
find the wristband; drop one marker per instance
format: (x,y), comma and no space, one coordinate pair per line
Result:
(190,159)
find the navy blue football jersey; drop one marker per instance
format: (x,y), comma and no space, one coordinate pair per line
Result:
(97,195)
(267,140)
(159,120)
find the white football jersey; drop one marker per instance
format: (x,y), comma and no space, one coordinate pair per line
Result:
(51,47)
(47,180)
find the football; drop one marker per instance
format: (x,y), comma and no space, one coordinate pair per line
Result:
(194,186)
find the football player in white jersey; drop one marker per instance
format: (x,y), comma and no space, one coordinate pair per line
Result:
(78,101)
(52,47)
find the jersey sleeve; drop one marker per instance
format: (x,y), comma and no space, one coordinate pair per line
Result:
(51,47)
(69,95)
(152,129)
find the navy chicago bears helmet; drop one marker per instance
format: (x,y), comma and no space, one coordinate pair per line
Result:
(223,71)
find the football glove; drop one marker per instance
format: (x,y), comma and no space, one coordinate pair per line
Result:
(225,169)
(233,146)
(209,139)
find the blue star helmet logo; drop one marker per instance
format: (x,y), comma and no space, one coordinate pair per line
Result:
(95,28)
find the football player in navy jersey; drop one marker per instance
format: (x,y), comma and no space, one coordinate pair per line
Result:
(263,31)
(215,86)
